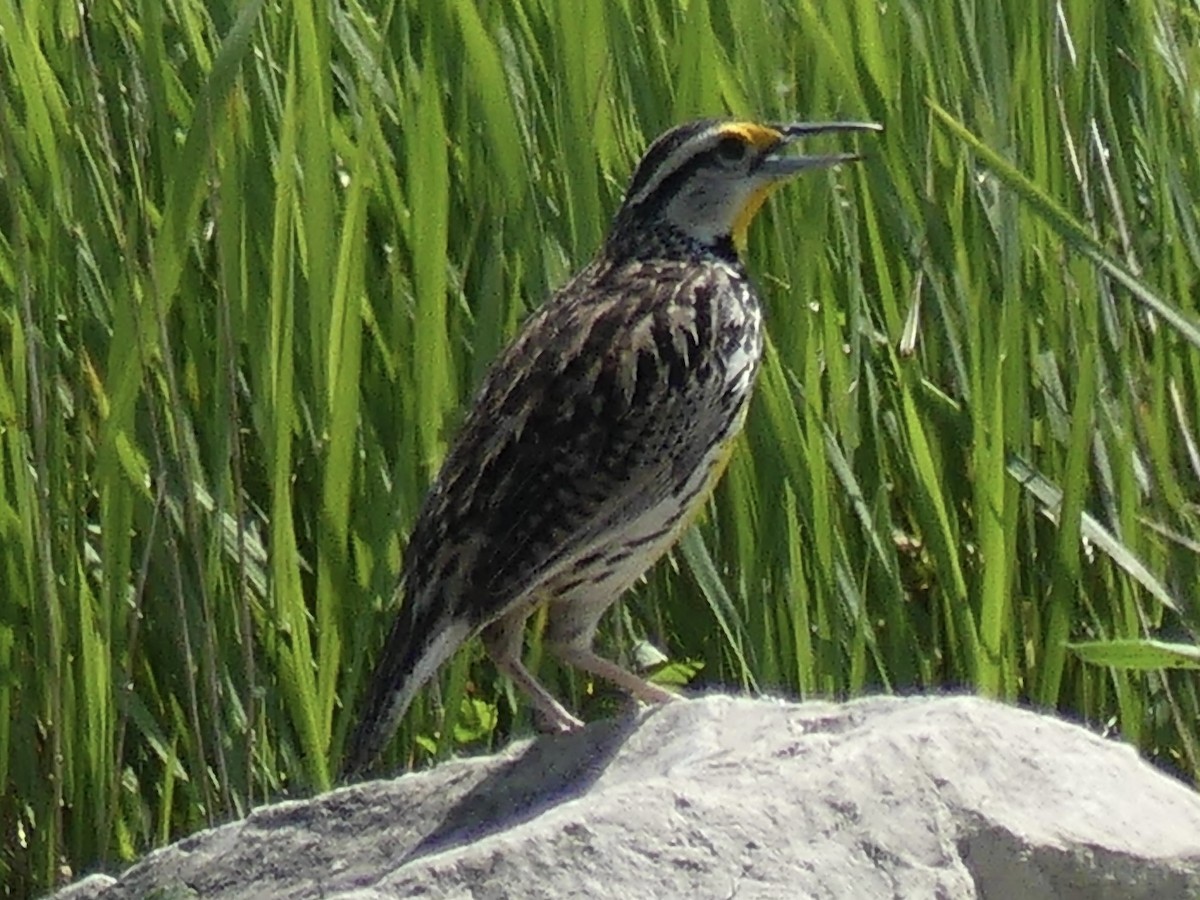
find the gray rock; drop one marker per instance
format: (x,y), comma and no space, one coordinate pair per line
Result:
(951,797)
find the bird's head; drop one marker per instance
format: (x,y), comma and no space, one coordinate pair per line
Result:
(702,183)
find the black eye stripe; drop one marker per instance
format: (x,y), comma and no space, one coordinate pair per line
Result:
(660,151)
(667,188)
(731,148)
(671,184)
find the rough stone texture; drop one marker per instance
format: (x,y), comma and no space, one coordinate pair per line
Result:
(950,797)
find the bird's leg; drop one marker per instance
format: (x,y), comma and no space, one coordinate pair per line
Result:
(503,640)
(588,660)
(570,631)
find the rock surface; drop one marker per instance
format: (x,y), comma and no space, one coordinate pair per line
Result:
(950,797)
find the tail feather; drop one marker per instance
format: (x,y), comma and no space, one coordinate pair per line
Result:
(411,656)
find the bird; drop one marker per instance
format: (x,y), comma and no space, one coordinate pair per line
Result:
(597,435)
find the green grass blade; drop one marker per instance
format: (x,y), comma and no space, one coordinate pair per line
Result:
(1139,655)
(1073,232)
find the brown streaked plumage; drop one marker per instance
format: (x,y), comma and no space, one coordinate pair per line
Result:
(598,432)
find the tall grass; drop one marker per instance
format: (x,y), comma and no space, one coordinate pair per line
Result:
(254,258)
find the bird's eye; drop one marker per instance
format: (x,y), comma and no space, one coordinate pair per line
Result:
(731,149)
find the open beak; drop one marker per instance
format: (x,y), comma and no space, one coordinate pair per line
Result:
(778,163)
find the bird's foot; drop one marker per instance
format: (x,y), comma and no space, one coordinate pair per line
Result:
(555,720)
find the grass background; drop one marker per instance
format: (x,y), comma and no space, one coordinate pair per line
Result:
(254,256)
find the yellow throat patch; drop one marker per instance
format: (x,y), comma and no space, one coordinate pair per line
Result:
(741,225)
(760,137)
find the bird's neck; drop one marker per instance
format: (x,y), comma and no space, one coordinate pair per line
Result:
(666,242)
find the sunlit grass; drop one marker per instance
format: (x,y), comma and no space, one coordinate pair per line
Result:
(255,257)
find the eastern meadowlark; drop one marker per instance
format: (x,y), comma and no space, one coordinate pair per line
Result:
(599,432)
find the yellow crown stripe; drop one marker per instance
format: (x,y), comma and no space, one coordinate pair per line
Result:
(758,136)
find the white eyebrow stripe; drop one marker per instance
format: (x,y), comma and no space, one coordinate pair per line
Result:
(680,155)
